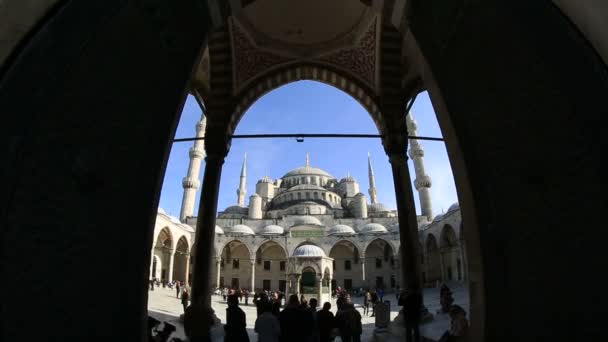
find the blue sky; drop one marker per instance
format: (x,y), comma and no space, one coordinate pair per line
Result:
(309,107)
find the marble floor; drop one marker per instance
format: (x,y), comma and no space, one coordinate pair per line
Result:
(164,306)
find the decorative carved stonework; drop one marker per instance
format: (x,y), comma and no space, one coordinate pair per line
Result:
(422,182)
(360,60)
(249,60)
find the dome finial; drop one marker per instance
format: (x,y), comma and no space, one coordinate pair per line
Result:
(307,160)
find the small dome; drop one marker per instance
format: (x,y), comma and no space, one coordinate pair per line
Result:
(394,228)
(254,195)
(162,211)
(341,230)
(240,229)
(265,179)
(272,230)
(359,194)
(454,207)
(438,218)
(237,209)
(308,251)
(174,220)
(373,228)
(348,178)
(219,230)
(306,220)
(377,208)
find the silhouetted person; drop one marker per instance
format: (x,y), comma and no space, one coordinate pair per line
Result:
(236,322)
(185,298)
(348,321)
(312,308)
(326,322)
(458,325)
(177,288)
(412,306)
(198,321)
(246,294)
(267,325)
(296,324)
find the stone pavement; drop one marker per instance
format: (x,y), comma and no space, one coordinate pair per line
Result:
(164,306)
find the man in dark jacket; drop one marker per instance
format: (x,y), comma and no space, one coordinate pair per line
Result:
(412,306)
(236,323)
(296,324)
(327,322)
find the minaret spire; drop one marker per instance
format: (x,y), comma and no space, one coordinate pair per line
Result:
(242,190)
(422,181)
(191,182)
(307,160)
(372,180)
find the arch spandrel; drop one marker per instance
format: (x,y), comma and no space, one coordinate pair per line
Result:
(270,243)
(226,243)
(369,243)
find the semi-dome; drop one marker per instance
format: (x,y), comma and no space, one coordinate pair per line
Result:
(373,228)
(341,230)
(237,209)
(219,230)
(377,208)
(306,220)
(272,230)
(307,170)
(438,218)
(308,251)
(454,207)
(240,229)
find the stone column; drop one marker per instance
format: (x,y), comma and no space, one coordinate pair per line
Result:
(363,270)
(218,266)
(319,290)
(252,287)
(171,262)
(442,265)
(395,145)
(187,275)
(217,148)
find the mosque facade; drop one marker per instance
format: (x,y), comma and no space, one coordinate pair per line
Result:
(309,232)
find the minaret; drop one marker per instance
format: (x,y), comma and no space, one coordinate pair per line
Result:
(372,180)
(422,181)
(191,182)
(242,190)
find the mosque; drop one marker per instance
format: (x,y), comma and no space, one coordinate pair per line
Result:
(309,232)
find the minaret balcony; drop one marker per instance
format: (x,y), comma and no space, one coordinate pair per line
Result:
(191,183)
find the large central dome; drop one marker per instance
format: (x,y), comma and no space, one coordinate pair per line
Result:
(307,170)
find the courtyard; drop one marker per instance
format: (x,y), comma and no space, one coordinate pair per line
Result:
(164,306)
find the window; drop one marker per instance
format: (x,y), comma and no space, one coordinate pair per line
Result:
(266,265)
(333,262)
(393,281)
(299,195)
(266,284)
(308,195)
(235,263)
(347,265)
(378,263)
(282,265)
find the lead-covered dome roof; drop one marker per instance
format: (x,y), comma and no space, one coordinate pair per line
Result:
(272,230)
(308,251)
(373,228)
(240,229)
(237,209)
(306,220)
(307,170)
(377,208)
(341,230)
(454,207)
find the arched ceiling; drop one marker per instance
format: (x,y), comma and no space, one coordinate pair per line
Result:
(290,21)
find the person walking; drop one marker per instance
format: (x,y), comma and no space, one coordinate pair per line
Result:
(177,288)
(267,325)
(367,298)
(236,321)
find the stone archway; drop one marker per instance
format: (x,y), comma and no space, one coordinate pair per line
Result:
(163,249)
(271,267)
(236,266)
(181,260)
(348,270)
(433,260)
(452,269)
(380,264)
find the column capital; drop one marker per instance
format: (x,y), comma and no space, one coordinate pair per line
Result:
(217,139)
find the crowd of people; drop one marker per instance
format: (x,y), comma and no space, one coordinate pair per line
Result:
(296,319)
